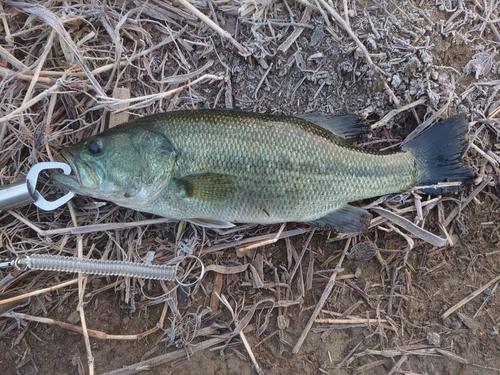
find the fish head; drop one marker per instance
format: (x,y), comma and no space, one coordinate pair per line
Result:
(129,168)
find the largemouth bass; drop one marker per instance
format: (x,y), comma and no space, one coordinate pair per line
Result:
(217,167)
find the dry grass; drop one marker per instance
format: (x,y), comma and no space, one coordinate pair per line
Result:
(62,65)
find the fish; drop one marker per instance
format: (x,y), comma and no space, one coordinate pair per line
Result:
(216,168)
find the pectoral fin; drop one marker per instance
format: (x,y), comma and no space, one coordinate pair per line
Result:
(348,219)
(210,223)
(206,186)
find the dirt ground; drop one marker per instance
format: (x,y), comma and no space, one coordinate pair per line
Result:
(66,68)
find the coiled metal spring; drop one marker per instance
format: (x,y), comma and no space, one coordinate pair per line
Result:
(59,263)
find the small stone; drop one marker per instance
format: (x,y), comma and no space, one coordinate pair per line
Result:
(362,252)
(430,368)
(183,294)
(396,80)
(456,325)
(317,36)
(75,360)
(486,294)
(358,273)
(73,318)
(433,338)
(242,253)
(96,283)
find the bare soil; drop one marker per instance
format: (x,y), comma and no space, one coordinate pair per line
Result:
(443,53)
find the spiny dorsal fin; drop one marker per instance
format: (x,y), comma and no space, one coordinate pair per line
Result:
(206,186)
(347,127)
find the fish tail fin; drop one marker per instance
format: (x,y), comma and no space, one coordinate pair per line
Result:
(438,153)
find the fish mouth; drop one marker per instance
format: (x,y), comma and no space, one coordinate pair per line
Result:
(70,159)
(83,178)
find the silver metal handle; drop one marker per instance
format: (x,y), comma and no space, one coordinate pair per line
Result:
(24,192)
(15,195)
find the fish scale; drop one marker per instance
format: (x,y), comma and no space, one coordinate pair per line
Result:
(294,174)
(216,167)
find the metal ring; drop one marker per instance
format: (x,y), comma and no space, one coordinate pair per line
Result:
(202,273)
(22,262)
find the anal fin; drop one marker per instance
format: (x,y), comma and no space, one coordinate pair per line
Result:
(348,219)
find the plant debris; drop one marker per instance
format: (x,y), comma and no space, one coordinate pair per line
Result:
(275,299)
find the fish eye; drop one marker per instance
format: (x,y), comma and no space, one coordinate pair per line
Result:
(94,147)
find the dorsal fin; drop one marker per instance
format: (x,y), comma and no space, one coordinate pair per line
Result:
(348,127)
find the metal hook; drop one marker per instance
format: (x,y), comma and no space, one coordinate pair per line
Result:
(32,178)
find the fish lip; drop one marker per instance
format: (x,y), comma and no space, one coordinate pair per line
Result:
(78,165)
(71,159)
